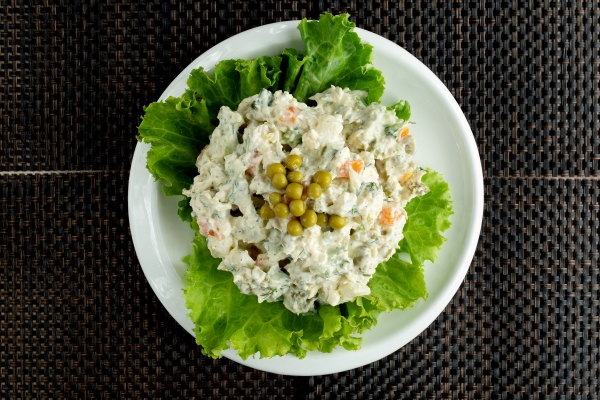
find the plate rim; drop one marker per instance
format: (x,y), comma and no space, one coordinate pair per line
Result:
(468,253)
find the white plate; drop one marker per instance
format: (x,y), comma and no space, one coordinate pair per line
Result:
(445,143)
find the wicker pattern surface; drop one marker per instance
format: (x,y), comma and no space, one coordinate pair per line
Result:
(78,318)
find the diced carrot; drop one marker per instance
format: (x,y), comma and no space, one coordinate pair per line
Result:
(405,177)
(390,214)
(344,170)
(205,230)
(289,116)
(403,132)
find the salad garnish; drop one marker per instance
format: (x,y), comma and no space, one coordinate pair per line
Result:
(180,127)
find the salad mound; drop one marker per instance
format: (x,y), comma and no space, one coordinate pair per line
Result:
(178,129)
(366,152)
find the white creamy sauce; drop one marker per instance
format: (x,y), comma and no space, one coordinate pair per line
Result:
(374,177)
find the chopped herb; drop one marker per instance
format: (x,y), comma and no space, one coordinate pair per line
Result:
(392,130)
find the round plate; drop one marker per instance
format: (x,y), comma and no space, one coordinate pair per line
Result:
(445,144)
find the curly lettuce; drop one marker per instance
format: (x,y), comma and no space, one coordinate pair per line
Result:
(225,317)
(336,56)
(179,127)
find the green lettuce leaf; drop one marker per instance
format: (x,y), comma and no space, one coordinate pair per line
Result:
(235,80)
(428,216)
(362,313)
(397,284)
(402,110)
(292,64)
(335,55)
(224,316)
(177,128)
(185,211)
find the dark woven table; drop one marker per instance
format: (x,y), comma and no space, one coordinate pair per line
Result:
(78,318)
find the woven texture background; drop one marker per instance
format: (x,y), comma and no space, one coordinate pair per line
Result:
(78,318)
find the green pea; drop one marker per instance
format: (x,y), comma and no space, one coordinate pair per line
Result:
(322,219)
(281,210)
(275,198)
(279,181)
(314,191)
(295,176)
(323,178)
(293,162)
(297,207)
(265,212)
(308,219)
(276,168)
(294,227)
(294,191)
(337,222)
